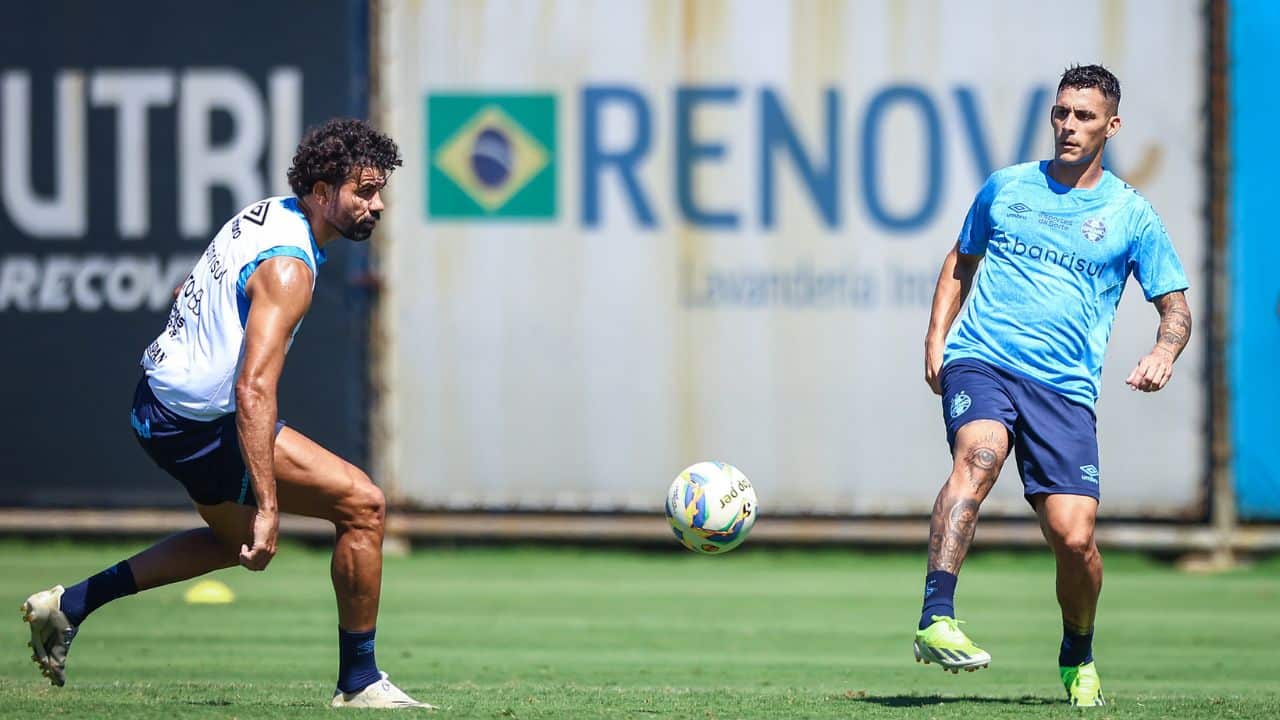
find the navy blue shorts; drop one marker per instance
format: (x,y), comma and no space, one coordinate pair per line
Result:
(1055,440)
(202,455)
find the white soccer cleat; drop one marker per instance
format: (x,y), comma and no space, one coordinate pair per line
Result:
(381,694)
(51,633)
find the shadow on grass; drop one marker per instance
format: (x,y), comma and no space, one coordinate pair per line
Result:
(912,701)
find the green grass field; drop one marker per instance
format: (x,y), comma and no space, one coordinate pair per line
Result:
(572,633)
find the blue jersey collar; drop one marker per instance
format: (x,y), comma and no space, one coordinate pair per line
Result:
(1060,189)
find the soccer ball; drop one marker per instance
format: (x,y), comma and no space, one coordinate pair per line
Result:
(711,507)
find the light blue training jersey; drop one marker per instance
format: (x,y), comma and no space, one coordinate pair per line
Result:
(1056,261)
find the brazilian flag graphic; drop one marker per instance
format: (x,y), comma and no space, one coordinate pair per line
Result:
(491,156)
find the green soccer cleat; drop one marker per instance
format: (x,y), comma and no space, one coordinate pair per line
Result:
(1084,689)
(945,643)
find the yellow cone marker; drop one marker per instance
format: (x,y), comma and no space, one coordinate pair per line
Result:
(209,592)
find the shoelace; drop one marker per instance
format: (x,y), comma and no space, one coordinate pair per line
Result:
(951,622)
(1087,683)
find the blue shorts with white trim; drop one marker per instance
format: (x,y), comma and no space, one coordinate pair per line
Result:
(202,455)
(1055,439)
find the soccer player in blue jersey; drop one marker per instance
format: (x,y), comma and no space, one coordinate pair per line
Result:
(1043,257)
(205,412)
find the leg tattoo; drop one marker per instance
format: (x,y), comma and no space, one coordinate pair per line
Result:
(951,532)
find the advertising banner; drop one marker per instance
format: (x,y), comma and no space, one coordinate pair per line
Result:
(128,134)
(640,234)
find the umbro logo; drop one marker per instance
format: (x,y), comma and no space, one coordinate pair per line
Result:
(1019,208)
(258,213)
(1090,473)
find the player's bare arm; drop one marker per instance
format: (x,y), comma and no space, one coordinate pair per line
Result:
(279,292)
(954,282)
(1156,368)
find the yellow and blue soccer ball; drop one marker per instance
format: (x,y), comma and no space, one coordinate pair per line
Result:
(711,507)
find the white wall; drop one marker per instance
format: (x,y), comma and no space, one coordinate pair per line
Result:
(561,363)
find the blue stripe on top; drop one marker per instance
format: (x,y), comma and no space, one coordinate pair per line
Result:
(242,299)
(291,204)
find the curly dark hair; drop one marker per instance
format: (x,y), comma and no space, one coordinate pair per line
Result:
(1081,77)
(333,151)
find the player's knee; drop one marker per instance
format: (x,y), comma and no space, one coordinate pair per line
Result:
(986,459)
(1077,542)
(230,548)
(366,506)
(977,468)
(228,536)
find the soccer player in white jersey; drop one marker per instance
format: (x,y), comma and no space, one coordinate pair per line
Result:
(1020,368)
(205,411)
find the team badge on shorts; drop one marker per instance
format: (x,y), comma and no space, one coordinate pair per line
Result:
(960,402)
(1094,230)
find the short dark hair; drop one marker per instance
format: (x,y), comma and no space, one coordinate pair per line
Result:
(333,151)
(1081,77)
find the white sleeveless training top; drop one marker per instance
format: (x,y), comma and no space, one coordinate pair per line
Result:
(193,365)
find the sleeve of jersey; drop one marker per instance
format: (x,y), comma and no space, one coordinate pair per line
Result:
(1155,263)
(976,232)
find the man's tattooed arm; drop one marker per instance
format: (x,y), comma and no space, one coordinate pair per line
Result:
(1175,323)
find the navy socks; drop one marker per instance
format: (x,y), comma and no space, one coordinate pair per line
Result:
(357,668)
(1076,649)
(92,593)
(939,599)
(939,596)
